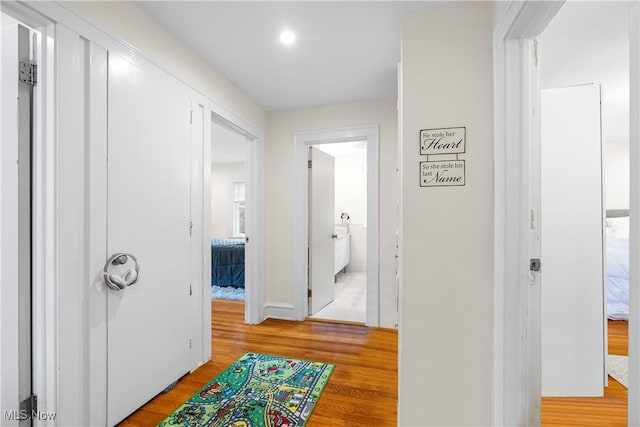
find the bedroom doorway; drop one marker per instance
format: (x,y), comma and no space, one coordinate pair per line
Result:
(579,87)
(233,212)
(517,363)
(346,212)
(584,116)
(228,213)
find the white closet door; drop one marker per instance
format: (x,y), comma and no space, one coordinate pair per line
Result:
(148,216)
(572,242)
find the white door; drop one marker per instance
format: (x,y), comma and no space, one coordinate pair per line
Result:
(573,321)
(148,217)
(15,231)
(321,229)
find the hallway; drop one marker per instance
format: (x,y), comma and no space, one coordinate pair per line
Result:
(361,392)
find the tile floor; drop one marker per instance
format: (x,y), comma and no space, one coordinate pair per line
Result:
(350,302)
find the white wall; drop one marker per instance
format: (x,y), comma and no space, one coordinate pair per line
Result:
(446,312)
(616,158)
(351,197)
(351,186)
(223,175)
(279,190)
(126,21)
(588,42)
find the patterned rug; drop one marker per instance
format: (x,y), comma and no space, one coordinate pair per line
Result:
(257,390)
(618,368)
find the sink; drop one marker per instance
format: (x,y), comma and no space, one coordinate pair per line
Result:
(341,231)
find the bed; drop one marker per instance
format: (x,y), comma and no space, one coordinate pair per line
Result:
(227,262)
(617,231)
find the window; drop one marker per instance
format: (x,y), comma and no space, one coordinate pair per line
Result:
(239,209)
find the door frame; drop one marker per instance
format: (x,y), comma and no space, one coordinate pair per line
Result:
(516,387)
(44,283)
(302,140)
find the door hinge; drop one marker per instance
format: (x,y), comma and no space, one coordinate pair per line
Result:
(29,405)
(191,117)
(28,73)
(535,52)
(190,342)
(534,264)
(309,163)
(190,228)
(190,290)
(309,293)
(533,220)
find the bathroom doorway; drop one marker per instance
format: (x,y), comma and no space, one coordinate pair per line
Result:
(344,298)
(369,135)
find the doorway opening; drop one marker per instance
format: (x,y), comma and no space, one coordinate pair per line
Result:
(232,209)
(228,213)
(584,82)
(347,282)
(517,361)
(303,140)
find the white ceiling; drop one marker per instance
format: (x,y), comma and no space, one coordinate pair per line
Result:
(345,50)
(588,42)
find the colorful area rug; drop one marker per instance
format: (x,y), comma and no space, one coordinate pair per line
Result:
(257,390)
(618,368)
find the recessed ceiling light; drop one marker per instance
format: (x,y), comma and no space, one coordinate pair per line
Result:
(287,37)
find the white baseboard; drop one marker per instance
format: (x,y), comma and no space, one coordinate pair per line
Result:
(278,310)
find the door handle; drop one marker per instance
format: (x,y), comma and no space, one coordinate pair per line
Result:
(334,236)
(120,271)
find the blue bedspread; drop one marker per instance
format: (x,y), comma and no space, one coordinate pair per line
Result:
(227,262)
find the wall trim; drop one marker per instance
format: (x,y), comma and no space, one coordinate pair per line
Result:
(278,310)
(516,384)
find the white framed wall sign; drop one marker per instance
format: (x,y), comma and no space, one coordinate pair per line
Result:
(442,173)
(442,147)
(442,141)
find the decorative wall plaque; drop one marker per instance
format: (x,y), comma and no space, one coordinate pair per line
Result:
(443,173)
(440,145)
(442,141)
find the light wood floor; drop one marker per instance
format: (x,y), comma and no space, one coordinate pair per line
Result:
(610,410)
(362,390)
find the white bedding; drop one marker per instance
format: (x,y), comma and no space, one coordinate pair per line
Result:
(618,268)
